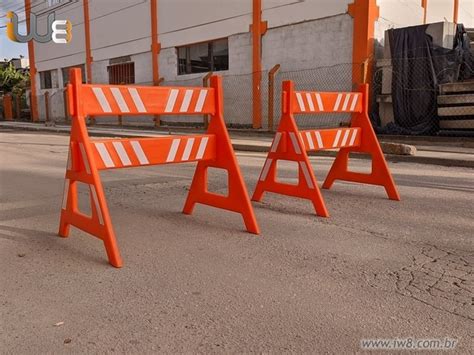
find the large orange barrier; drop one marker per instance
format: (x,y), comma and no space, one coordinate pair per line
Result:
(87,157)
(291,144)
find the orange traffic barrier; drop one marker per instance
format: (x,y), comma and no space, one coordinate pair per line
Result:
(87,157)
(292,144)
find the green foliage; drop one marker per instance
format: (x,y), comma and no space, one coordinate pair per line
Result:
(12,80)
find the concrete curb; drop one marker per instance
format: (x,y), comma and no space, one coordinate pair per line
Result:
(262,148)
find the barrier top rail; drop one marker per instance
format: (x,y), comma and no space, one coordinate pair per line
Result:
(103,100)
(311,102)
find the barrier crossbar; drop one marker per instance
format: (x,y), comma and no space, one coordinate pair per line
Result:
(292,144)
(87,157)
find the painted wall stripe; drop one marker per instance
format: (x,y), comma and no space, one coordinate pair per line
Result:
(120,100)
(137,148)
(265,170)
(202,148)
(307,177)
(300,101)
(171,100)
(353,137)
(320,102)
(319,139)
(310,140)
(338,102)
(346,102)
(65,193)
(310,101)
(200,101)
(354,101)
(187,149)
(344,139)
(84,158)
(187,99)
(276,142)
(336,140)
(137,100)
(99,95)
(295,143)
(122,153)
(173,150)
(96,202)
(104,155)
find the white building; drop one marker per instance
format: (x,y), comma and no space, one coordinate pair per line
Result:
(197,36)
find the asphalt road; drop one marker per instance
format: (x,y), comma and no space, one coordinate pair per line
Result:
(375,269)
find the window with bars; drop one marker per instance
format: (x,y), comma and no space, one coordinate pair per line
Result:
(48,79)
(203,57)
(121,73)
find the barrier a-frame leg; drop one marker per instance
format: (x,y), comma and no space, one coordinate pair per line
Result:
(238,198)
(287,145)
(380,174)
(82,168)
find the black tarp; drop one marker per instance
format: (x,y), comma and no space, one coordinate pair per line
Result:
(418,68)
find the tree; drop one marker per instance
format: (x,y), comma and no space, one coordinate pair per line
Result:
(12,80)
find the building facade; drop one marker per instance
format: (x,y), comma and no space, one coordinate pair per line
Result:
(196,37)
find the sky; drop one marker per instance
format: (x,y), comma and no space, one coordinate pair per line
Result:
(9,49)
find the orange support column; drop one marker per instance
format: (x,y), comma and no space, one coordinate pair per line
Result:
(258,29)
(155,49)
(31,56)
(8,107)
(456,11)
(87,32)
(365,13)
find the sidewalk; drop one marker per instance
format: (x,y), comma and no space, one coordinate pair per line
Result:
(436,152)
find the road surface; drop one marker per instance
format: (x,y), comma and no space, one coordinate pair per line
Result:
(375,269)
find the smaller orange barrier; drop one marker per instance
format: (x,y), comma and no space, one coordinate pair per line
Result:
(291,144)
(87,157)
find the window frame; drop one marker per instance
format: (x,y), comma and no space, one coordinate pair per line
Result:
(210,49)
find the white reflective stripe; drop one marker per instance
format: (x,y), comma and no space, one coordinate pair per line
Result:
(65,193)
(96,202)
(187,149)
(187,100)
(310,140)
(173,150)
(354,102)
(120,100)
(104,104)
(310,101)
(137,100)
(307,177)
(122,153)
(104,154)
(320,102)
(295,143)
(84,158)
(300,101)
(137,148)
(344,139)
(336,140)
(276,142)
(202,148)
(266,167)
(346,102)
(319,139)
(353,137)
(171,100)
(69,162)
(200,101)
(338,102)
